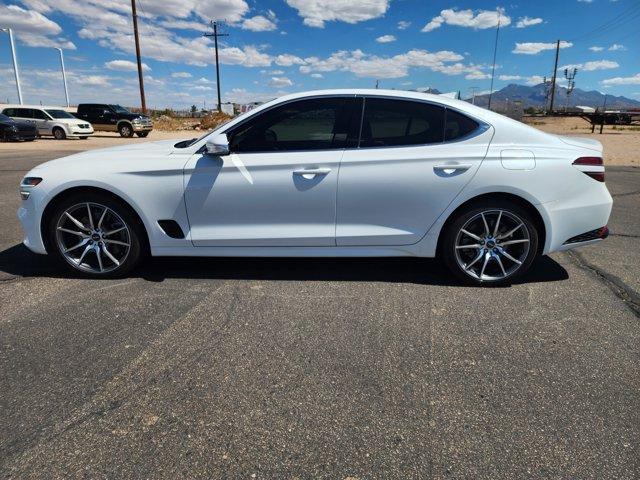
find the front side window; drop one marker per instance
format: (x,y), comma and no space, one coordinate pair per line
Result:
(119,109)
(313,124)
(392,123)
(39,115)
(10,112)
(23,113)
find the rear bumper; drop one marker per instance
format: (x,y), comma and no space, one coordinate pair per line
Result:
(579,220)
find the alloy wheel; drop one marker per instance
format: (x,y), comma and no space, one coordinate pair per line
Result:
(492,245)
(93,238)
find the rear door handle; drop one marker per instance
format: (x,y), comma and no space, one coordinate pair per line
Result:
(453,167)
(310,173)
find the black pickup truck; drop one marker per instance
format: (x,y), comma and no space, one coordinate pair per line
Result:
(114,118)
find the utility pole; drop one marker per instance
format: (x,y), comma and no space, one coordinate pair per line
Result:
(553,80)
(377,84)
(493,68)
(64,76)
(135,34)
(473,94)
(215,36)
(570,75)
(15,63)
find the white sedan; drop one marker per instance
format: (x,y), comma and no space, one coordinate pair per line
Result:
(333,173)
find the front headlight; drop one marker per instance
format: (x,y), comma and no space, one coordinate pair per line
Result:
(14,128)
(137,120)
(26,185)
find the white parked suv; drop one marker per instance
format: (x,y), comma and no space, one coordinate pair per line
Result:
(53,121)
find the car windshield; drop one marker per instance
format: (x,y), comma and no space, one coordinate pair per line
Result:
(4,118)
(119,109)
(59,114)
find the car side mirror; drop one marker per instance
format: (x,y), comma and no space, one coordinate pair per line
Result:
(218,145)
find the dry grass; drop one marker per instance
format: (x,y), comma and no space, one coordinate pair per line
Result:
(621,143)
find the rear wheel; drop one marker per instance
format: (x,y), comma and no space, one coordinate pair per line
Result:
(490,244)
(125,130)
(95,235)
(59,133)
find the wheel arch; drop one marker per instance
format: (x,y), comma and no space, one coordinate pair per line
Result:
(120,122)
(60,196)
(536,216)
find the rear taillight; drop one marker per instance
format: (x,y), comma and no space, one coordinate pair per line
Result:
(596,174)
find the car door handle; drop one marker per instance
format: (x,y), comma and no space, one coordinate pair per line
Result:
(309,173)
(453,167)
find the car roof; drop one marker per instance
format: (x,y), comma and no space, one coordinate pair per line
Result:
(38,107)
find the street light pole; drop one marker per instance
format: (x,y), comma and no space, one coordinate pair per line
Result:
(15,63)
(64,76)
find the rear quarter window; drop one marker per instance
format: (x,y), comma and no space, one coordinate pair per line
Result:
(458,126)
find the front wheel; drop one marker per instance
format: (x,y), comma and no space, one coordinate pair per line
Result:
(490,244)
(95,235)
(59,133)
(142,134)
(125,130)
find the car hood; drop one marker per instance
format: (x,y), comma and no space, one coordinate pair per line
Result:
(113,158)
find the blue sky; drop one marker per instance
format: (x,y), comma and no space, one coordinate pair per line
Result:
(283,46)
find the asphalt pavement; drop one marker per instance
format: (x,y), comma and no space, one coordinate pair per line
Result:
(345,368)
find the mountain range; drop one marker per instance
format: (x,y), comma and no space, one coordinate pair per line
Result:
(535,96)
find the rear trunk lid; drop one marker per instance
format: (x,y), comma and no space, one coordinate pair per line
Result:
(581,142)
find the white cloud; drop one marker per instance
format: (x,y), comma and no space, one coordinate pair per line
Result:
(317,75)
(525,22)
(258,23)
(635,80)
(287,60)
(585,1)
(403,25)
(592,66)
(316,12)
(125,66)
(466,18)
(181,75)
(386,39)
(533,48)
(372,66)
(596,49)
(506,78)
(185,25)
(615,47)
(280,82)
(534,80)
(32,27)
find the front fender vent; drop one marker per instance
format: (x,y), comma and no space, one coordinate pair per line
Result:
(171,228)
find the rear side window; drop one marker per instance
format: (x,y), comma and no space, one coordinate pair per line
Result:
(23,113)
(458,126)
(313,124)
(388,123)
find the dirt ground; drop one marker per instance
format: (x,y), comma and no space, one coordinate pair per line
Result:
(621,144)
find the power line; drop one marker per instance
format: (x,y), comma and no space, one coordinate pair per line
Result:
(215,36)
(624,17)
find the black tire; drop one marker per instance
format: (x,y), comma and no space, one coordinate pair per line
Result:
(123,215)
(125,129)
(59,133)
(143,134)
(505,270)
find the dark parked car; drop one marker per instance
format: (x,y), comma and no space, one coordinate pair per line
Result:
(114,118)
(13,130)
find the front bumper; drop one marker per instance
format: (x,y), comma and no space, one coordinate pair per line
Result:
(80,132)
(19,136)
(142,127)
(29,216)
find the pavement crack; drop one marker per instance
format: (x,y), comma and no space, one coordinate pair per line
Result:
(628,295)
(625,235)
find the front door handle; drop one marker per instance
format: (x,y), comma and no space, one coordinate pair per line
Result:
(310,173)
(452,167)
